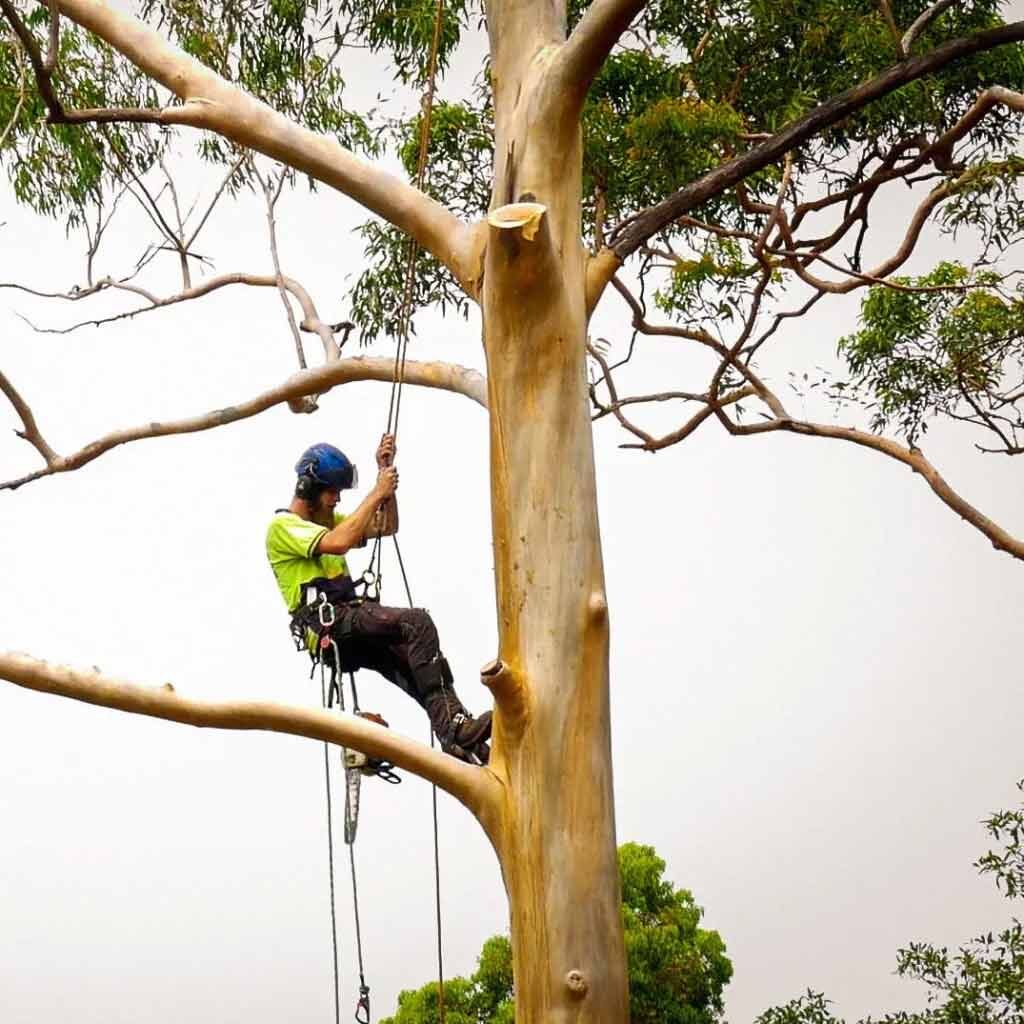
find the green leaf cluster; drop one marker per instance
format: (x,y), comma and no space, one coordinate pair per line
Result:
(677,970)
(950,342)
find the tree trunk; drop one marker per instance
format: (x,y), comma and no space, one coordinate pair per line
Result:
(555,835)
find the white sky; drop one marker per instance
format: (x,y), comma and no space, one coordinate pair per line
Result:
(815,669)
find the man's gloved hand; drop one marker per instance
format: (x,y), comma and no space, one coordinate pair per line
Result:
(386,451)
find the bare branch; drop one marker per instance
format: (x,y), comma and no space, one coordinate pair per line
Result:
(311,319)
(471,786)
(583,53)
(886,267)
(31,432)
(633,232)
(77,294)
(923,21)
(318,381)
(912,457)
(702,337)
(212,103)
(235,167)
(699,417)
(272,195)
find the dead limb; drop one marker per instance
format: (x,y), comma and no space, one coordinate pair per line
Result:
(311,319)
(473,787)
(318,381)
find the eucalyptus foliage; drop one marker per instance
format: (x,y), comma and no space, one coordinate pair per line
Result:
(689,86)
(677,970)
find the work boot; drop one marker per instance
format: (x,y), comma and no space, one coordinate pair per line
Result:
(458,731)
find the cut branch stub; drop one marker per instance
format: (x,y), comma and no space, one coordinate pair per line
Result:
(526,216)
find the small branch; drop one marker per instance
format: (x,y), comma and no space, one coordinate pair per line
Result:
(631,234)
(272,196)
(216,198)
(311,320)
(698,418)
(31,432)
(473,787)
(923,21)
(318,381)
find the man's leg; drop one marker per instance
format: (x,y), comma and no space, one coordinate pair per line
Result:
(402,645)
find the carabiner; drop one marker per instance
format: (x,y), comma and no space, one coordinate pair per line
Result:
(363,1006)
(325,612)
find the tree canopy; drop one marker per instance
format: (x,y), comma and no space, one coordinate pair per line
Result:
(677,970)
(734,155)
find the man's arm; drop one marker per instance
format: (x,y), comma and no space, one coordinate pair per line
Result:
(353,529)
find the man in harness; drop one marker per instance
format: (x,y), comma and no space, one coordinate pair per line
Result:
(306,545)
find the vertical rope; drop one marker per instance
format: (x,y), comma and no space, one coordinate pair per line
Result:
(330,861)
(394,409)
(405,315)
(437,904)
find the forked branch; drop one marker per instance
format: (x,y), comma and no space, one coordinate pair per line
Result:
(473,787)
(318,381)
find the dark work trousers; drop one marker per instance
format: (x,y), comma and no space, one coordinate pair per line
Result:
(399,643)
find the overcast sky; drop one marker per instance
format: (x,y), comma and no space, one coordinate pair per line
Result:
(815,666)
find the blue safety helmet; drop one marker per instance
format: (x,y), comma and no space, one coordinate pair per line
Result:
(326,466)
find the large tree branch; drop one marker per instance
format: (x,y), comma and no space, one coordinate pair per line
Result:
(633,232)
(210,102)
(444,376)
(476,788)
(583,53)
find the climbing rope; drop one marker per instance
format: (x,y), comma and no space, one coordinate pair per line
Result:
(330,858)
(405,315)
(394,410)
(372,579)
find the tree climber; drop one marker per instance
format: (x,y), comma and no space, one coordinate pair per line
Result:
(306,545)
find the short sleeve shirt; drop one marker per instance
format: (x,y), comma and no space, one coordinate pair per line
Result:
(291,541)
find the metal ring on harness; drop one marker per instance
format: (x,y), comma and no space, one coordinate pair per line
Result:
(325,611)
(370,582)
